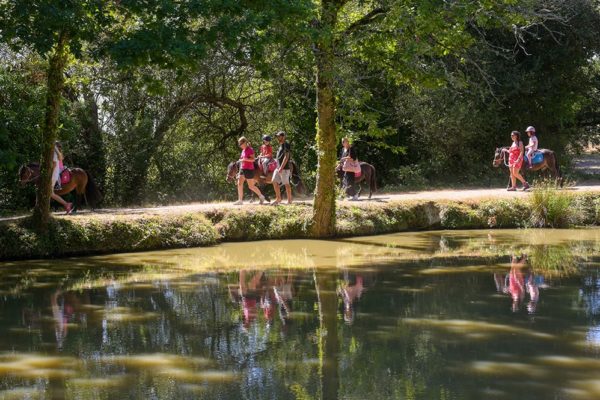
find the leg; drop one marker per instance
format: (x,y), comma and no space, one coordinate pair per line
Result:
(277,192)
(349,183)
(59,199)
(240,189)
(513,179)
(68,206)
(252,186)
(288,192)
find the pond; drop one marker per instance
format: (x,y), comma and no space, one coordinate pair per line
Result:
(427,315)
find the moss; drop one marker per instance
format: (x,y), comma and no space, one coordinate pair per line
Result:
(87,236)
(504,213)
(104,234)
(285,222)
(460,216)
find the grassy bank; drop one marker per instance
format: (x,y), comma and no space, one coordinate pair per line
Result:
(94,234)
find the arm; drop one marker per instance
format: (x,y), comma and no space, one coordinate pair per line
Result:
(521,151)
(285,160)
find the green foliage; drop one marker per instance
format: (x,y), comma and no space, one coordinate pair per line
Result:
(154,104)
(551,207)
(503,213)
(72,237)
(460,216)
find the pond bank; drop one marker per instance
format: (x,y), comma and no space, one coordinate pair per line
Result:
(102,233)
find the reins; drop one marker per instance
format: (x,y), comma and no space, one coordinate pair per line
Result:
(32,175)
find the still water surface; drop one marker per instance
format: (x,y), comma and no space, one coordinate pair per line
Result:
(431,315)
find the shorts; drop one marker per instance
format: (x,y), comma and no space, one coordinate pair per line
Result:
(248,173)
(282,177)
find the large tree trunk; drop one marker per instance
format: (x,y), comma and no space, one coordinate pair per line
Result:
(55,84)
(323,221)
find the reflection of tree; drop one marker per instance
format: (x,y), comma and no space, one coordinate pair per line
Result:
(329,346)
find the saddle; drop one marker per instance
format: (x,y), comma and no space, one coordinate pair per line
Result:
(65,176)
(537,158)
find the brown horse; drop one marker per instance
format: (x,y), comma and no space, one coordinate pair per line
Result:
(367,174)
(233,170)
(80,181)
(549,163)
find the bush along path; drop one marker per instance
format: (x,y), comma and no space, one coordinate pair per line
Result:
(102,233)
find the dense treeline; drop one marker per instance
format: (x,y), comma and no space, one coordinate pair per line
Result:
(160,131)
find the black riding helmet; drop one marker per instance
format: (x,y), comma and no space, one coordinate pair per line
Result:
(267,138)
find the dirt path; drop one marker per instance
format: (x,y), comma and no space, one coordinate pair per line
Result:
(457,195)
(587,164)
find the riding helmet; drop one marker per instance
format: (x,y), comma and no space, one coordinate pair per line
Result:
(267,138)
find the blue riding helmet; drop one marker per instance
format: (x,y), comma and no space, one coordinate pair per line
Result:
(267,138)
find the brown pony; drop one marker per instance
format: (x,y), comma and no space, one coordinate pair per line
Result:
(80,181)
(549,163)
(367,174)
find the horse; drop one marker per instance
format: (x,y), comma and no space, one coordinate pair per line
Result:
(81,182)
(233,170)
(549,163)
(367,174)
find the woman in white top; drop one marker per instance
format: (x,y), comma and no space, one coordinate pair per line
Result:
(532,146)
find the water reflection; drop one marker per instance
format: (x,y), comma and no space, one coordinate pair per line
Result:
(402,316)
(520,282)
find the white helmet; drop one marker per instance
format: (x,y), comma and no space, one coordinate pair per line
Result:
(530,129)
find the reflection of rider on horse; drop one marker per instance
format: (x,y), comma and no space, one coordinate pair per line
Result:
(519,158)
(64,181)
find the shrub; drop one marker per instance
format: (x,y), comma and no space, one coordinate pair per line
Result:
(551,207)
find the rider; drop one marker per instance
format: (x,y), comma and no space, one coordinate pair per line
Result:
(266,155)
(532,146)
(281,175)
(348,154)
(57,166)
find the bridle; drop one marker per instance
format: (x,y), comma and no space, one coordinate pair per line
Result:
(230,172)
(31,177)
(503,155)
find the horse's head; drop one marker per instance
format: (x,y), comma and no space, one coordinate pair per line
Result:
(28,173)
(232,171)
(498,157)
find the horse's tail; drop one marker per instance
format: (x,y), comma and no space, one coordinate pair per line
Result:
(559,178)
(92,193)
(373,181)
(296,180)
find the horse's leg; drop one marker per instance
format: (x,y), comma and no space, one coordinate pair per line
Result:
(368,179)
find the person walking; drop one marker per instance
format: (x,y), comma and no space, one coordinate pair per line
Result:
(281,175)
(348,159)
(247,172)
(515,161)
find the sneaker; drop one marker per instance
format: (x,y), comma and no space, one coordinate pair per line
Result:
(69,208)
(525,186)
(276,203)
(57,187)
(238,203)
(262,199)
(511,189)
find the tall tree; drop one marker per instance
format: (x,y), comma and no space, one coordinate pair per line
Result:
(57,30)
